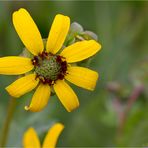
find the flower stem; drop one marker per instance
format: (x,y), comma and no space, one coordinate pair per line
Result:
(7,122)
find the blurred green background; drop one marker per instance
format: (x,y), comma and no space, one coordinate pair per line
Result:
(116,113)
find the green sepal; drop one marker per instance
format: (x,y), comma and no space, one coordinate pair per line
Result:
(77,33)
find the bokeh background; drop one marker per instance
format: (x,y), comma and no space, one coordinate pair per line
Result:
(116,113)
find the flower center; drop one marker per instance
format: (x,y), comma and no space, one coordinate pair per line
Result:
(49,67)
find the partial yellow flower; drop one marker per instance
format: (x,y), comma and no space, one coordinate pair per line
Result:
(49,68)
(31,140)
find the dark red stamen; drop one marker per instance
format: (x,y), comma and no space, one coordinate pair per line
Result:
(35,61)
(43,55)
(58,59)
(61,76)
(64,66)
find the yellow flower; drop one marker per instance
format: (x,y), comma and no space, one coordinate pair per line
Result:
(49,67)
(31,140)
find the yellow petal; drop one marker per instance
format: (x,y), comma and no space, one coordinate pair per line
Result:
(66,95)
(28,31)
(52,135)
(82,77)
(30,139)
(80,51)
(58,33)
(14,65)
(40,98)
(22,85)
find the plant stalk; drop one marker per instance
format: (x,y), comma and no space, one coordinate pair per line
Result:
(7,122)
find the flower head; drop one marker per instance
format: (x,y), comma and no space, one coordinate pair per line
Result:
(31,140)
(50,68)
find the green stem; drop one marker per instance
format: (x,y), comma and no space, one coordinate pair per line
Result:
(7,122)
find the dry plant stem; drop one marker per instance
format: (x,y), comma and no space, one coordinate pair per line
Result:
(7,122)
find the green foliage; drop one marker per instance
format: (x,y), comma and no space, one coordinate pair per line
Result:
(122,31)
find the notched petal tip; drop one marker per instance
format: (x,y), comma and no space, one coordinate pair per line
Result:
(20,9)
(15,13)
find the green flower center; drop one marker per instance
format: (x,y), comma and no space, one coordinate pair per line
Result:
(49,67)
